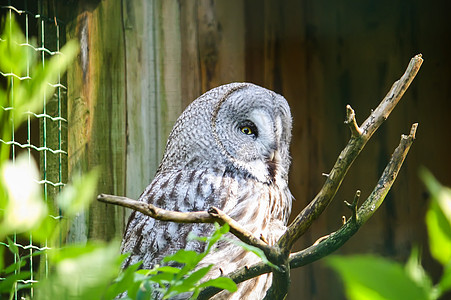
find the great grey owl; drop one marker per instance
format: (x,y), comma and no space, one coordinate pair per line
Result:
(229,149)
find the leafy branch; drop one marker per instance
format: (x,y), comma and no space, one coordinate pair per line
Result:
(279,254)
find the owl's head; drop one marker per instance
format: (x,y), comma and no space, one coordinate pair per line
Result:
(240,126)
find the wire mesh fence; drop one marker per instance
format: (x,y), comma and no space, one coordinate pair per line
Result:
(43,136)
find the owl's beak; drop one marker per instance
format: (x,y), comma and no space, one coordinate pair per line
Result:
(272,155)
(272,163)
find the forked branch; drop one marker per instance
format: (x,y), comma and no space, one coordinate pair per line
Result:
(359,138)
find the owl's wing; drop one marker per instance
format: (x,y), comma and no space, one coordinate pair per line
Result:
(150,240)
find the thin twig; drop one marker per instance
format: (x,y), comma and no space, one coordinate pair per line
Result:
(385,182)
(353,206)
(352,122)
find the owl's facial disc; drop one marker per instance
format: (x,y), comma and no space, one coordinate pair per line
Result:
(252,129)
(251,142)
(265,161)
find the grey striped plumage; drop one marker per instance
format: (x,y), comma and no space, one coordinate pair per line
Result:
(212,159)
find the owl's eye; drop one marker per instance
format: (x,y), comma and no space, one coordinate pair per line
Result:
(246,130)
(249,128)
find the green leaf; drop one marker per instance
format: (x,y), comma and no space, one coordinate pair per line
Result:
(438,232)
(81,274)
(12,247)
(182,256)
(370,277)
(21,286)
(174,281)
(445,282)
(168,269)
(10,50)
(73,251)
(438,218)
(147,273)
(125,279)
(14,266)
(196,276)
(144,292)
(416,272)
(29,92)
(224,229)
(217,234)
(77,196)
(162,278)
(8,283)
(138,289)
(222,283)
(48,226)
(193,237)
(255,250)
(211,240)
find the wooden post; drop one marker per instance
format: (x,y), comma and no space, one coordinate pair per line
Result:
(124,96)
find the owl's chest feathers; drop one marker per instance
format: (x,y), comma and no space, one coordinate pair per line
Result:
(256,205)
(244,198)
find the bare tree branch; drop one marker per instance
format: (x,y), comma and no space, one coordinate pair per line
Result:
(243,234)
(360,216)
(211,216)
(281,280)
(359,138)
(158,213)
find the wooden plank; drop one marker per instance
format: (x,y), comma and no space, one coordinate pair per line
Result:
(169,65)
(191,80)
(221,32)
(143,133)
(153,96)
(97,114)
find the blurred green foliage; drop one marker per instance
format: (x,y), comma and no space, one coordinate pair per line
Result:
(375,278)
(29,84)
(168,281)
